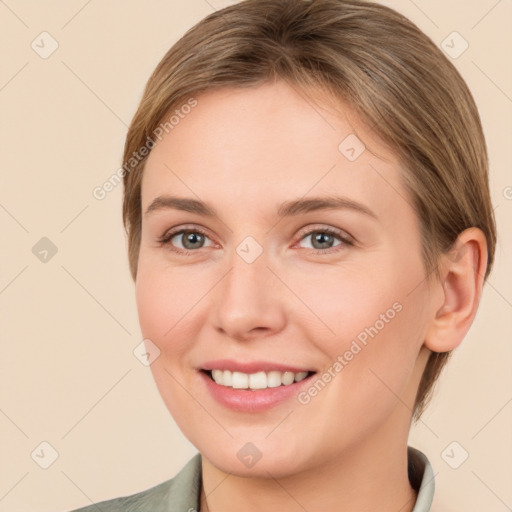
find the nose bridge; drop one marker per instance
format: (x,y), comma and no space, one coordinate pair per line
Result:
(247,298)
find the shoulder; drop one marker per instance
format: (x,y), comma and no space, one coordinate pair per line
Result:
(153,497)
(178,493)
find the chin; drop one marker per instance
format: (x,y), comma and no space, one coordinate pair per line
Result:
(256,460)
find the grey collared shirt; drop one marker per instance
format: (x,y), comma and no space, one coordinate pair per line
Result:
(181,493)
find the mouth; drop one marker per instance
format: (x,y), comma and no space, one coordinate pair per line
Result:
(256,381)
(253,386)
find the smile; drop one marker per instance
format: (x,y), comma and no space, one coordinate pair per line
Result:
(253,386)
(258,380)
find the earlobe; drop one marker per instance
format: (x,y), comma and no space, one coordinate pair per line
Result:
(462,272)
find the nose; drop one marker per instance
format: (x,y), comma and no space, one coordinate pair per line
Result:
(250,301)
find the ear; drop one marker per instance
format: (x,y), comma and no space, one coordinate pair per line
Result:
(462,272)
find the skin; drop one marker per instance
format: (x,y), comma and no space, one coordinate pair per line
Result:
(244,152)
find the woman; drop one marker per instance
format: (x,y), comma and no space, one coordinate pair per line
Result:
(310,228)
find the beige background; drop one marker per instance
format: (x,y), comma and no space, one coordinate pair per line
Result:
(69,326)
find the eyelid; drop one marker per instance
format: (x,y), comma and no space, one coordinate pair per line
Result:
(322,228)
(171,233)
(345,238)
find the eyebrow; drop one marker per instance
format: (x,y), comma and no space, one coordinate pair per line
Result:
(286,209)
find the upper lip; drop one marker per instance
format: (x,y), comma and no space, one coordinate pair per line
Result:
(251,366)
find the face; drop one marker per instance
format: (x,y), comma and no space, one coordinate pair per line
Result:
(272,252)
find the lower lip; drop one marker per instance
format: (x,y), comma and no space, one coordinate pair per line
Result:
(246,400)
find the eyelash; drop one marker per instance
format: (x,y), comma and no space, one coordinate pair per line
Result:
(167,237)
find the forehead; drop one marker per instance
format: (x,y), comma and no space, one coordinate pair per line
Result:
(264,144)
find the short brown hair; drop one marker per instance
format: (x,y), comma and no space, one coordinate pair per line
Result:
(398,81)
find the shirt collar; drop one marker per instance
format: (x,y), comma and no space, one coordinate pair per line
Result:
(420,471)
(185,491)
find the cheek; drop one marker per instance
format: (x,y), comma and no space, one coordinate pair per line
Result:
(153,306)
(164,310)
(348,305)
(165,300)
(374,334)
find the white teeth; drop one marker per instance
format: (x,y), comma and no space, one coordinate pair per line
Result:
(300,376)
(240,380)
(259,380)
(217,375)
(227,377)
(273,379)
(287,378)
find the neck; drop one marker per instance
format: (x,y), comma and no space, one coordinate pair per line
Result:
(367,477)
